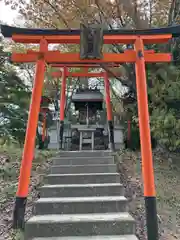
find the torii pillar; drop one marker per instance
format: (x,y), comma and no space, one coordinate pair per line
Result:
(62,105)
(109,111)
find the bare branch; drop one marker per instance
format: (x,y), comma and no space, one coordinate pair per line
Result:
(60,16)
(140,20)
(119,13)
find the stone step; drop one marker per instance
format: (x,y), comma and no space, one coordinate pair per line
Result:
(80,205)
(85,153)
(82,178)
(116,237)
(101,168)
(82,160)
(79,225)
(80,190)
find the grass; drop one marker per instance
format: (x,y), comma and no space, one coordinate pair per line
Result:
(10,160)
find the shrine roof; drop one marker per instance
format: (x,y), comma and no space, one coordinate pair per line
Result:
(87,95)
(8,31)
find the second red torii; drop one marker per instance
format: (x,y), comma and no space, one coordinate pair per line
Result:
(58,74)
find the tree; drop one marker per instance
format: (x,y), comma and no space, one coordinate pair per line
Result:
(14,101)
(120,14)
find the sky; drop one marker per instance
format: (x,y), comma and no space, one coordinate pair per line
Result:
(7,15)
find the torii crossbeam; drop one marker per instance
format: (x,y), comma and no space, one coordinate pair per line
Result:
(137,56)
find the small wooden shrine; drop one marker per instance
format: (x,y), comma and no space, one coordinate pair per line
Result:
(88,133)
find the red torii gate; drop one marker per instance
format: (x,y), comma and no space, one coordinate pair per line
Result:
(84,73)
(42,57)
(44,109)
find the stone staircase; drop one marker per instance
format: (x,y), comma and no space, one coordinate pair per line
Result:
(81,199)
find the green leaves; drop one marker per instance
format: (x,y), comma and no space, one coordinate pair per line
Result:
(14,103)
(166,128)
(163,82)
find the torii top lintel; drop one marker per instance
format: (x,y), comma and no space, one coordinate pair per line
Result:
(25,35)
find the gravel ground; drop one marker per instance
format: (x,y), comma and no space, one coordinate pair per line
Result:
(167,186)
